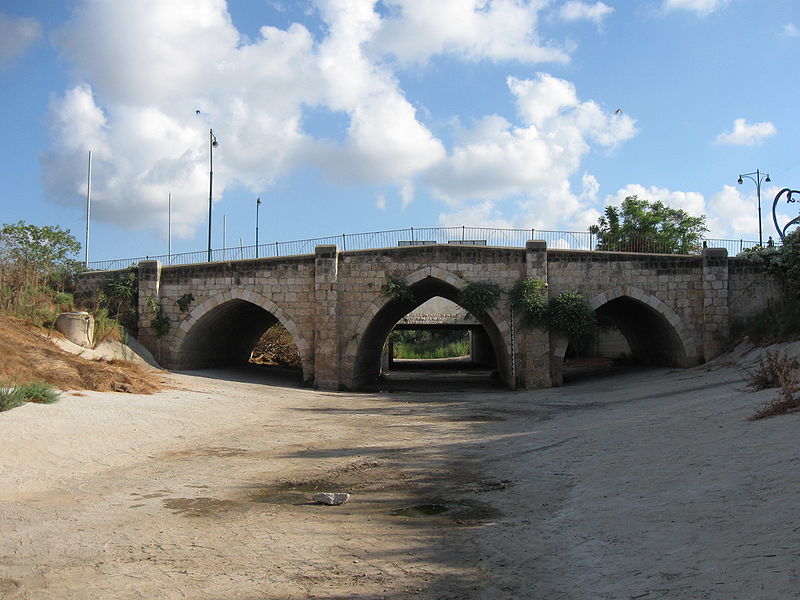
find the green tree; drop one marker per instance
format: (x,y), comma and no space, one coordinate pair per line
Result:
(43,254)
(642,226)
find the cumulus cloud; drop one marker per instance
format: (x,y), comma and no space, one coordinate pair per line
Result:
(17,34)
(730,213)
(153,76)
(701,7)
(576,10)
(791,30)
(692,202)
(535,160)
(476,29)
(744,134)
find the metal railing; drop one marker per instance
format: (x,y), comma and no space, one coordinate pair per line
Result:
(413,236)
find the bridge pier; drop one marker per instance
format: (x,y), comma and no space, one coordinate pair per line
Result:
(532,346)
(326,318)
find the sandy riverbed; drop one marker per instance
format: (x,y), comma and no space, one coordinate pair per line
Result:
(647,485)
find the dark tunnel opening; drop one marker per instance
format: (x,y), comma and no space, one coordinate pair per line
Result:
(227,335)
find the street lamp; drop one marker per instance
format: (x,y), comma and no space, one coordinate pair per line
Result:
(212,143)
(759,177)
(258,203)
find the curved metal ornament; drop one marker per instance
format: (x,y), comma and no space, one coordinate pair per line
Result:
(789,198)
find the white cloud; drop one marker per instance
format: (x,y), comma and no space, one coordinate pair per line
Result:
(732,215)
(576,10)
(406,195)
(532,163)
(701,7)
(475,29)
(744,134)
(17,34)
(143,68)
(791,30)
(692,202)
(485,213)
(380,202)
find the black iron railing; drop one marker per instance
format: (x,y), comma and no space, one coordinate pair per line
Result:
(473,236)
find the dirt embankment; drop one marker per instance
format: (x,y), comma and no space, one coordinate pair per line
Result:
(28,354)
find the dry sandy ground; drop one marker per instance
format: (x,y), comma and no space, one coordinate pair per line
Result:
(641,486)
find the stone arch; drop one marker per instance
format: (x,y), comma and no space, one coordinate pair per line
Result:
(362,352)
(231,301)
(657,334)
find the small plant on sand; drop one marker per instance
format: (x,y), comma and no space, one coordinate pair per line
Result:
(771,369)
(39,392)
(787,400)
(10,397)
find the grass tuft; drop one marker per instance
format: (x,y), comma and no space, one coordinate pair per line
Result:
(10,397)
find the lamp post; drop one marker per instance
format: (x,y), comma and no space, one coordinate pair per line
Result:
(212,143)
(88,210)
(258,203)
(759,177)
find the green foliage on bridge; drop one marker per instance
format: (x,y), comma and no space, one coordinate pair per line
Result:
(479,296)
(568,313)
(781,320)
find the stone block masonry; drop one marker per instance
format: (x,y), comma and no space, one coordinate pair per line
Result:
(674,310)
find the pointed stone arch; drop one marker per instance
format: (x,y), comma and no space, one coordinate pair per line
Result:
(360,361)
(681,346)
(215,302)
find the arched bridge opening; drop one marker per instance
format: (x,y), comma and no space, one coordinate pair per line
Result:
(632,331)
(486,364)
(228,335)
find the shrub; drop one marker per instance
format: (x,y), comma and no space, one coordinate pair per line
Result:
(771,370)
(105,327)
(570,314)
(786,402)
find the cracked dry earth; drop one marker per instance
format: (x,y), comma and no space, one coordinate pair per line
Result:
(646,485)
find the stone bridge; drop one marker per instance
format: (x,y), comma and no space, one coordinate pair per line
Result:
(673,310)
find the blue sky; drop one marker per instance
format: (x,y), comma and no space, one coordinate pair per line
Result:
(362,115)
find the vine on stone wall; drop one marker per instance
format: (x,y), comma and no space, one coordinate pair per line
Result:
(529,298)
(479,296)
(160,322)
(396,289)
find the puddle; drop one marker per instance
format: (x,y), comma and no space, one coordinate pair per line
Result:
(198,507)
(294,492)
(459,512)
(421,510)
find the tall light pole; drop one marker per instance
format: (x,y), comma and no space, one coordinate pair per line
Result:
(759,177)
(258,203)
(169,227)
(212,143)
(88,210)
